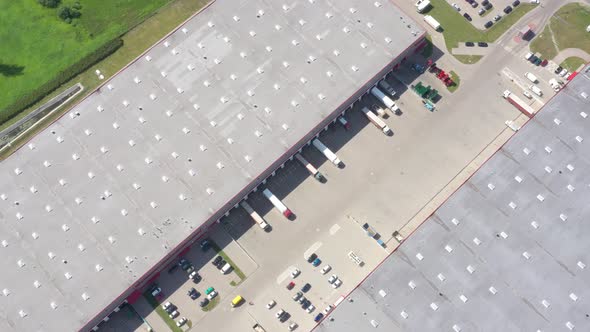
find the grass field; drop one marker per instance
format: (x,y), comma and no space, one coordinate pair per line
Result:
(37,45)
(457,81)
(136,41)
(572,63)
(457,29)
(568,28)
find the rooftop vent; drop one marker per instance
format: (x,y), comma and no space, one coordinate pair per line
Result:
(441,277)
(169,113)
(165,178)
(110,87)
(580,264)
(20,263)
(53,305)
(46,163)
(267,110)
(286,8)
(216,61)
(142,120)
(6,292)
(236,18)
(65,227)
(22,313)
(95,220)
(210,191)
(174,155)
(81,247)
(51,255)
(286,64)
(294,42)
(268,48)
(354,68)
(179,90)
(202,147)
(153,96)
(388,40)
(476,241)
(85,296)
(329,15)
(68,275)
(4,243)
(248,158)
(434,306)
(174,51)
(35,235)
(163,73)
(186,130)
(124,212)
(98,267)
(374,323)
(200,45)
(210,24)
(285,126)
(404,314)
(182,197)
(19,216)
(184,30)
(419,256)
(112,240)
(470,269)
(166,44)
(129,259)
(493,290)
(192,172)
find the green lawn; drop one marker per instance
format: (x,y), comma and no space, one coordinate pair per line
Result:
(236,269)
(212,304)
(136,41)
(572,63)
(36,45)
(457,81)
(468,59)
(568,28)
(457,29)
(427,50)
(162,313)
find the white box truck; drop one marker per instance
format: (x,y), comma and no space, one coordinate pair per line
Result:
(531,77)
(255,216)
(277,203)
(376,121)
(432,22)
(326,152)
(422,5)
(535,89)
(384,99)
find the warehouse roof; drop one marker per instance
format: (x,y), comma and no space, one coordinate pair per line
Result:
(507,252)
(108,190)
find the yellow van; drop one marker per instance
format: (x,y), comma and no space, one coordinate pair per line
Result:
(236,301)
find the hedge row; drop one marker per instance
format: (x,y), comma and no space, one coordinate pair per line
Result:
(59,79)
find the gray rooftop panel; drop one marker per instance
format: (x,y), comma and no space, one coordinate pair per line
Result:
(487,264)
(108,190)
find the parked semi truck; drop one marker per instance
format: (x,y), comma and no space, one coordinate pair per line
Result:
(327,152)
(432,22)
(277,203)
(519,103)
(383,85)
(310,168)
(384,99)
(376,121)
(255,216)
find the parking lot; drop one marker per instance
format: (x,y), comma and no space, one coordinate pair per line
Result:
(477,10)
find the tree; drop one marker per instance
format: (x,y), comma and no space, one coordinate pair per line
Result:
(67,13)
(49,3)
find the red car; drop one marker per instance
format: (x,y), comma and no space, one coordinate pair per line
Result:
(544,63)
(290,285)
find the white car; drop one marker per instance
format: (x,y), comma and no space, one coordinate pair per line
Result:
(173,314)
(337,283)
(280,314)
(527,94)
(456,7)
(295,273)
(332,279)
(326,269)
(181,321)
(271,304)
(166,305)
(327,310)
(528,55)
(212,295)
(535,1)
(310,308)
(563,73)
(292,326)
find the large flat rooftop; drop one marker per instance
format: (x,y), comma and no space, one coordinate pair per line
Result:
(507,252)
(95,201)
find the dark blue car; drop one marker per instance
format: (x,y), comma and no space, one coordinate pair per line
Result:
(318,317)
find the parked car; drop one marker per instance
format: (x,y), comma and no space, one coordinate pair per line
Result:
(305,304)
(457,8)
(312,257)
(205,245)
(558,70)
(310,308)
(535,1)
(482,44)
(181,321)
(204,302)
(488,6)
(156,291)
(290,285)
(295,273)
(488,24)
(190,269)
(485,2)
(469,44)
(332,279)
(344,122)
(195,276)
(316,262)
(280,313)
(306,288)
(318,317)
(527,94)
(297,296)
(168,306)
(302,300)
(538,61)
(325,269)
(293,326)
(173,314)
(212,295)
(481,11)
(337,283)
(209,290)
(528,55)
(173,268)
(216,260)
(515,3)
(533,58)
(497,18)
(473,4)
(271,304)
(328,309)
(193,293)
(467,17)
(186,265)
(221,264)
(507,10)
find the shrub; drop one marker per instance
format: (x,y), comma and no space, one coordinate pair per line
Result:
(62,77)
(49,3)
